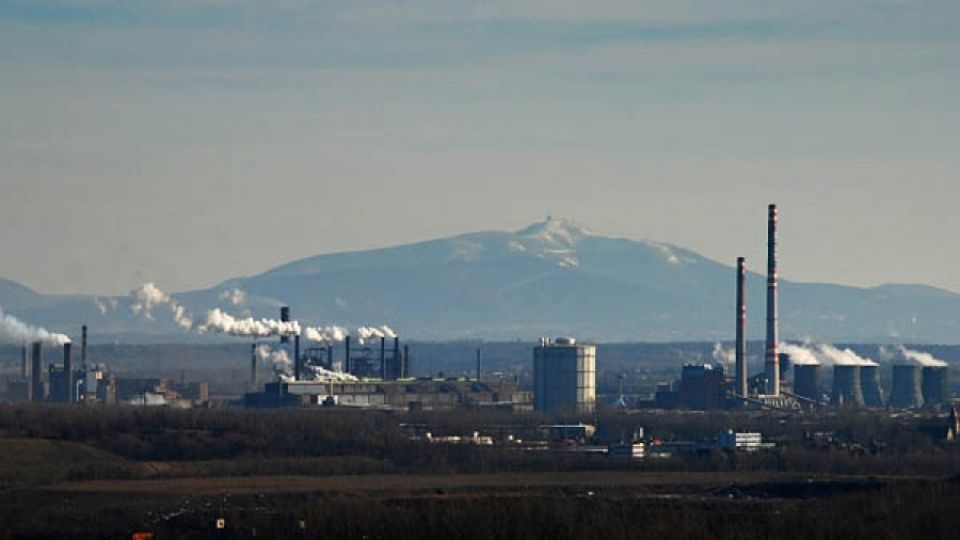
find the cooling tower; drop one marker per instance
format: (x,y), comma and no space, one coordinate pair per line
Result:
(870,386)
(846,386)
(935,386)
(906,393)
(806,381)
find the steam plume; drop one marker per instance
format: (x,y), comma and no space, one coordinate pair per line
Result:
(237,297)
(278,359)
(828,354)
(219,321)
(366,332)
(921,358)
(328,334)
(799,355)
(148,296)
(723,356)
(16,330)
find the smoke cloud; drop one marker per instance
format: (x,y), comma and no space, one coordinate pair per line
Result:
(799,355)
(723,356)
(919,358)
(237,297)
(328,334)
(366,332)
(16,330)
(279,359)
(220,321)
(148,296)
(828,354)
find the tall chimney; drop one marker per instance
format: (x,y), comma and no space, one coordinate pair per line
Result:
(253,367)
(24,365)
(772,359)
(396,369)
(741,345)
(83,348)
(36,372)
(478,364)
(285,317)
(297,367)
(329,356)
(383,358)
(347,368)
(406,361)
(67,374)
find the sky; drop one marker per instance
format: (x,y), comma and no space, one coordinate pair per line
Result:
(187,142)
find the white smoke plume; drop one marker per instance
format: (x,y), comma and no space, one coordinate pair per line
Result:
(237,297)
(148,296)
(16,330)
(921,358)
(219,321)
(799,355)
(328,334)
(318,373)
(279,359)
(366,332)
(723,356)
(828,354)
(105,304)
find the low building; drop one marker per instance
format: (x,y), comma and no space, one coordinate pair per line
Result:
(740,441)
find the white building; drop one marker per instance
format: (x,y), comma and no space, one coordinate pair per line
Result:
(731,440)
(564,376)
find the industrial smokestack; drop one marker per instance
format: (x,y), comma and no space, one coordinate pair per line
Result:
(478,364)
(285,317)
(383,358)
(741,345)
(870,386)
(935,386)
(297,363)
(253,367)
(347,367)
(406,361)
(396,368)
(24,363)
(806,381)
(847,390)
(36,372)
(83,348)
(772,358)
(329,356)
(67,374)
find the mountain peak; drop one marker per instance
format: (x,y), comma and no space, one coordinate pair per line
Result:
(556,230)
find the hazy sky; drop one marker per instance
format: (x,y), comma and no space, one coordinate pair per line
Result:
(189,141)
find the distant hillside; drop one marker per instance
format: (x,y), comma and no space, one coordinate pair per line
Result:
(554,277)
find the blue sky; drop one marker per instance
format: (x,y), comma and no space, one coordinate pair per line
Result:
(190,141)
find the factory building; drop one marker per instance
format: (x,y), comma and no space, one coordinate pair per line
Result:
(564,376)
(702,387)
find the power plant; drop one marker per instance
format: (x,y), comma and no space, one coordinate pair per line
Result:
(907,392)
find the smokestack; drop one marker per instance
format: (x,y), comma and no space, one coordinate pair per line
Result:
(67,374)
(806,381)
(396,369)
(285,317)
(870,385)
(36,372)
(297,367)
(383,358)
(846,386)
(741,345)
(347,368)
(253,367)
(329,356)
(83,348)
(772,358)
(24,365)
(406,361)
(935,386)
(906,393)
(478,364)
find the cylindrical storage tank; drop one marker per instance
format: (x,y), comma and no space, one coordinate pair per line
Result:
(935,385)
(870,386)
(806,381)
(906,393)
(846,386)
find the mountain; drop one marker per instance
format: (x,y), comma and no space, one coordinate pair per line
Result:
(552,278)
